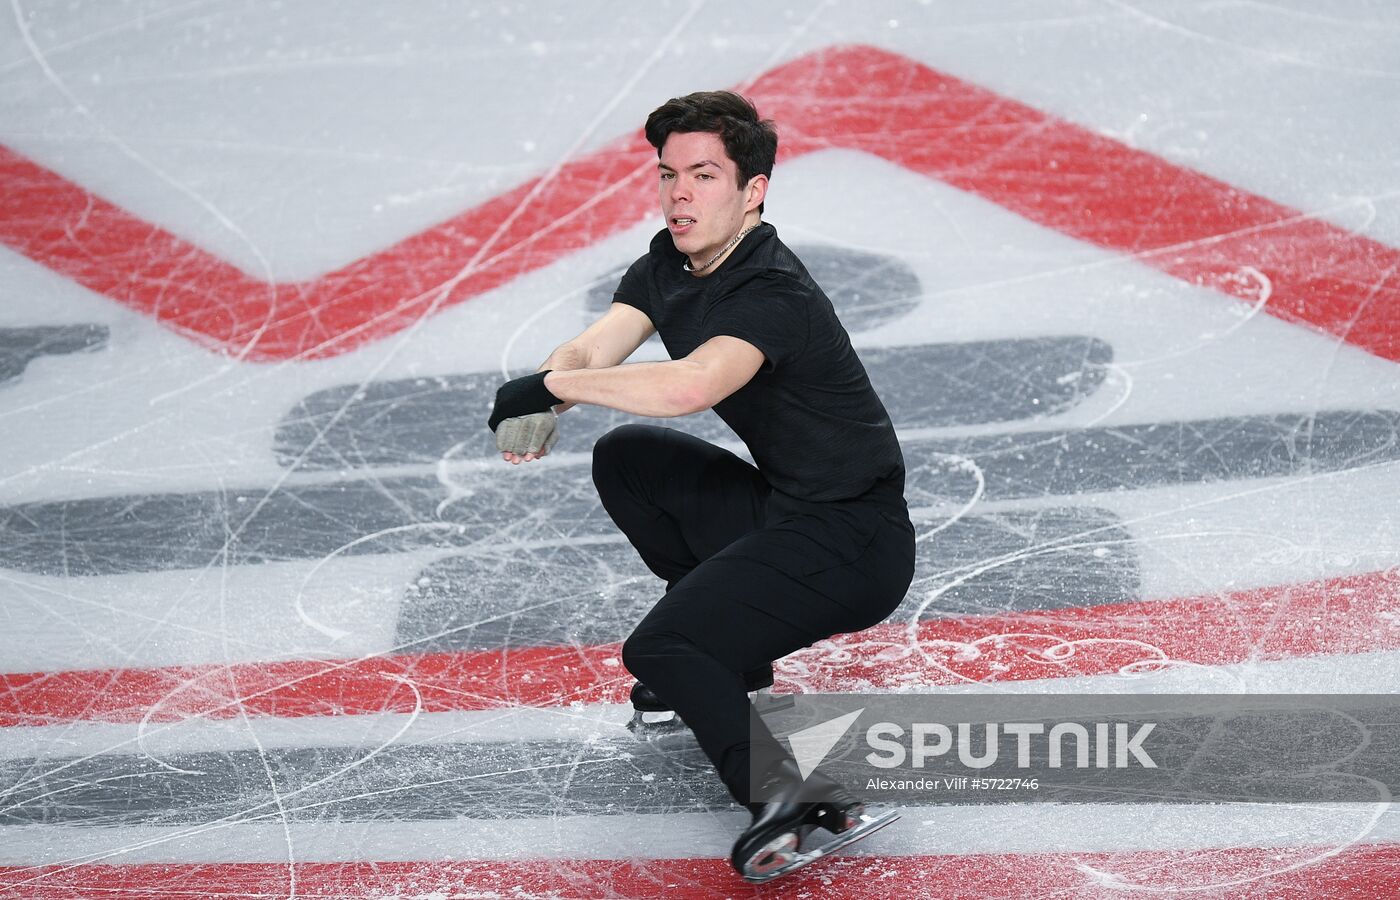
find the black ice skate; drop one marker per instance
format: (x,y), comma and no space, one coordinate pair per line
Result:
(652,719)
(772,845)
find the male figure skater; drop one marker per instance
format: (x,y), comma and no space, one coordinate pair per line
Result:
(759,561)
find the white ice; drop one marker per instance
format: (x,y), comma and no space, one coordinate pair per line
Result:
(291,140)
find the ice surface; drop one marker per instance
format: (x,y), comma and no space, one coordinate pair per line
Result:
(1125,275)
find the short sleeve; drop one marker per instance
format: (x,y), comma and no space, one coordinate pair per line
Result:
(769,311)
(632,290)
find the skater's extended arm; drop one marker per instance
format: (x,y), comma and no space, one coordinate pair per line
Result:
(607,342)
(713,371)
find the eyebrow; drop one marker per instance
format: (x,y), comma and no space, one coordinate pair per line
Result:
(700,165)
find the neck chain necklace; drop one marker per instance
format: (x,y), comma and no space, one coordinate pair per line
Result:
(723,250)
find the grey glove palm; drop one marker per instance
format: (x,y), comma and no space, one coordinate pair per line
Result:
(535,433)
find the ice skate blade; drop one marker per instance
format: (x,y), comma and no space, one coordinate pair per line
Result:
(756,872)
(773,858)
(656,729)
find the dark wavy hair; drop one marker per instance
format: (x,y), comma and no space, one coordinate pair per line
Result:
(750,141)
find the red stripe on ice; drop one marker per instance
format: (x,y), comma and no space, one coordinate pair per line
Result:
(1046,169)
(1343,616)
(1240,872)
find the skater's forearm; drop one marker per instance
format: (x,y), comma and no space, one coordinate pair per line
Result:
(604,344)
(661,389)
(679,387)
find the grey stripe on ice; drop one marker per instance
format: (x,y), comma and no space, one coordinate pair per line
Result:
(595,594)
(1091,460)
(21,346)
(1206,748)
(423,419)
(111,535)
(400,783)
(152,532)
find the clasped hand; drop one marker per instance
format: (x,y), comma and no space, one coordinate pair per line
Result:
(523,419)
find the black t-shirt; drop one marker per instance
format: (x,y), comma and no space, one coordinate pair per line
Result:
(814,425)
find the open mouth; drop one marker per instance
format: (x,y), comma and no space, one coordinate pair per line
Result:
(681,222)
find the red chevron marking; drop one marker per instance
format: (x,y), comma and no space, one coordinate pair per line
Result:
(1346,615)
(1046,169)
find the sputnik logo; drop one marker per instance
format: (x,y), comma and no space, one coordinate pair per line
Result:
(811,745)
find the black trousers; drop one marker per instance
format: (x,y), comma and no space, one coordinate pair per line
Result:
(752,575)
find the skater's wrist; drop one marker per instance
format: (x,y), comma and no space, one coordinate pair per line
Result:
(565,356)
(522,396)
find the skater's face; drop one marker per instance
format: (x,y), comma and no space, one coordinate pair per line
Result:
(704,205)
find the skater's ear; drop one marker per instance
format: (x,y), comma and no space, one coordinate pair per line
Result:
(755,192)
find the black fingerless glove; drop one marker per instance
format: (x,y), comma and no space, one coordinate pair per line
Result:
(522,397)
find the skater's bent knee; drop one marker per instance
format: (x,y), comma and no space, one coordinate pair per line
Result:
(619,449)
(638,652)
(643,651)
(626,439)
